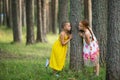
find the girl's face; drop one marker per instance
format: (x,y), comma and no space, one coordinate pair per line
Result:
(81,26)
(67,27)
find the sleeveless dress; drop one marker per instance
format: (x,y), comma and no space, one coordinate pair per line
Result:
(90,52)
(58,55)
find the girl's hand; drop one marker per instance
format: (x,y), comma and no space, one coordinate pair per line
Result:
(81,34)
(70,36)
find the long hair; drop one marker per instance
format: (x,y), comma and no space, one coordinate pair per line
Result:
(86,25)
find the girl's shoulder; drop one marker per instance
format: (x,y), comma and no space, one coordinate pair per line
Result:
(62,33)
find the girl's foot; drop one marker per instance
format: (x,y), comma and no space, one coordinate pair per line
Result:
(47,63)
(57,75)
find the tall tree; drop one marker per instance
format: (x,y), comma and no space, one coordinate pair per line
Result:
(63,12)
(30,21)
(10,13)
(99,10)
(113,45)
(54,4)
(17,29)
(44,28)
(1,11)
(88,11)
(39,22)
(23,13)
(76,14)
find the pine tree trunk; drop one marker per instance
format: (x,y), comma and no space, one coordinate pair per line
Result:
(50,17)
(99,8)
(23,13)
(1,11)
(63,12)
(113,45)
(76,14)
(39,22)
(17,29)
(86,13)
(30,21)
(54,15)
(44,28)
(10,13)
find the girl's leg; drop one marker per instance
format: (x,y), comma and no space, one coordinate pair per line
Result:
(54,71)
(97,67)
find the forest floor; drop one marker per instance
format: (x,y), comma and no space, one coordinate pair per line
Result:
(21,62)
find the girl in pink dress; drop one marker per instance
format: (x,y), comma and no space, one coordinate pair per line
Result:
(90,46)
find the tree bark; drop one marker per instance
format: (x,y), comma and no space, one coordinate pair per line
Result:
(30,21)
(1,12)
(39,22)
(113,45)
(17,29)
(10,14)
(54,4)
(23,13)
(99,10)
(76,14)
(63,12)
(44,28)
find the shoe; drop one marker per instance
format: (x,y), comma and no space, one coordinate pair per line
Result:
(47,63)
(57,75)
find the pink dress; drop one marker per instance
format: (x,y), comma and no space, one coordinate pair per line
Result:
(90,52)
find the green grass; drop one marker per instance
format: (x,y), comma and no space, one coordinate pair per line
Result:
(21,62)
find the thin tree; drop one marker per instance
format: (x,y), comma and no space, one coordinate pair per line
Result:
(17,29)
(39,22)
(76,14)
(113,45)
(99,15)
(54,4)
(63,12)
(30,21)
(44,20)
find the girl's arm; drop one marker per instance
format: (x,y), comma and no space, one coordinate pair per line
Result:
(87,38)
(62,36)
(81,34)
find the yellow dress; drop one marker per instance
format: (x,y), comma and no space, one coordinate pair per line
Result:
(58,55)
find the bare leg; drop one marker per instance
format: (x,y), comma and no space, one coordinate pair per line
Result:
(97,69)
(97,66)
(54,71)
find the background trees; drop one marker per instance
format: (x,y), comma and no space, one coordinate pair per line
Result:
(63,12)
(29,21)
(17,28)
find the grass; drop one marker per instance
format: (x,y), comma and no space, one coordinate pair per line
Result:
(21,62)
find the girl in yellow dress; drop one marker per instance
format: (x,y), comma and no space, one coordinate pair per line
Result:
(59,49)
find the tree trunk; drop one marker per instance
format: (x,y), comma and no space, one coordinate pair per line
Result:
(39,22)
(23,13)
(30,21)
(10,14)
(113,45)
(99,8)
(17,29)
(44,28)
(1,12)
(54,4)
(4,12)
(76,14)
(88,11)
(50,18)
(63,12)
